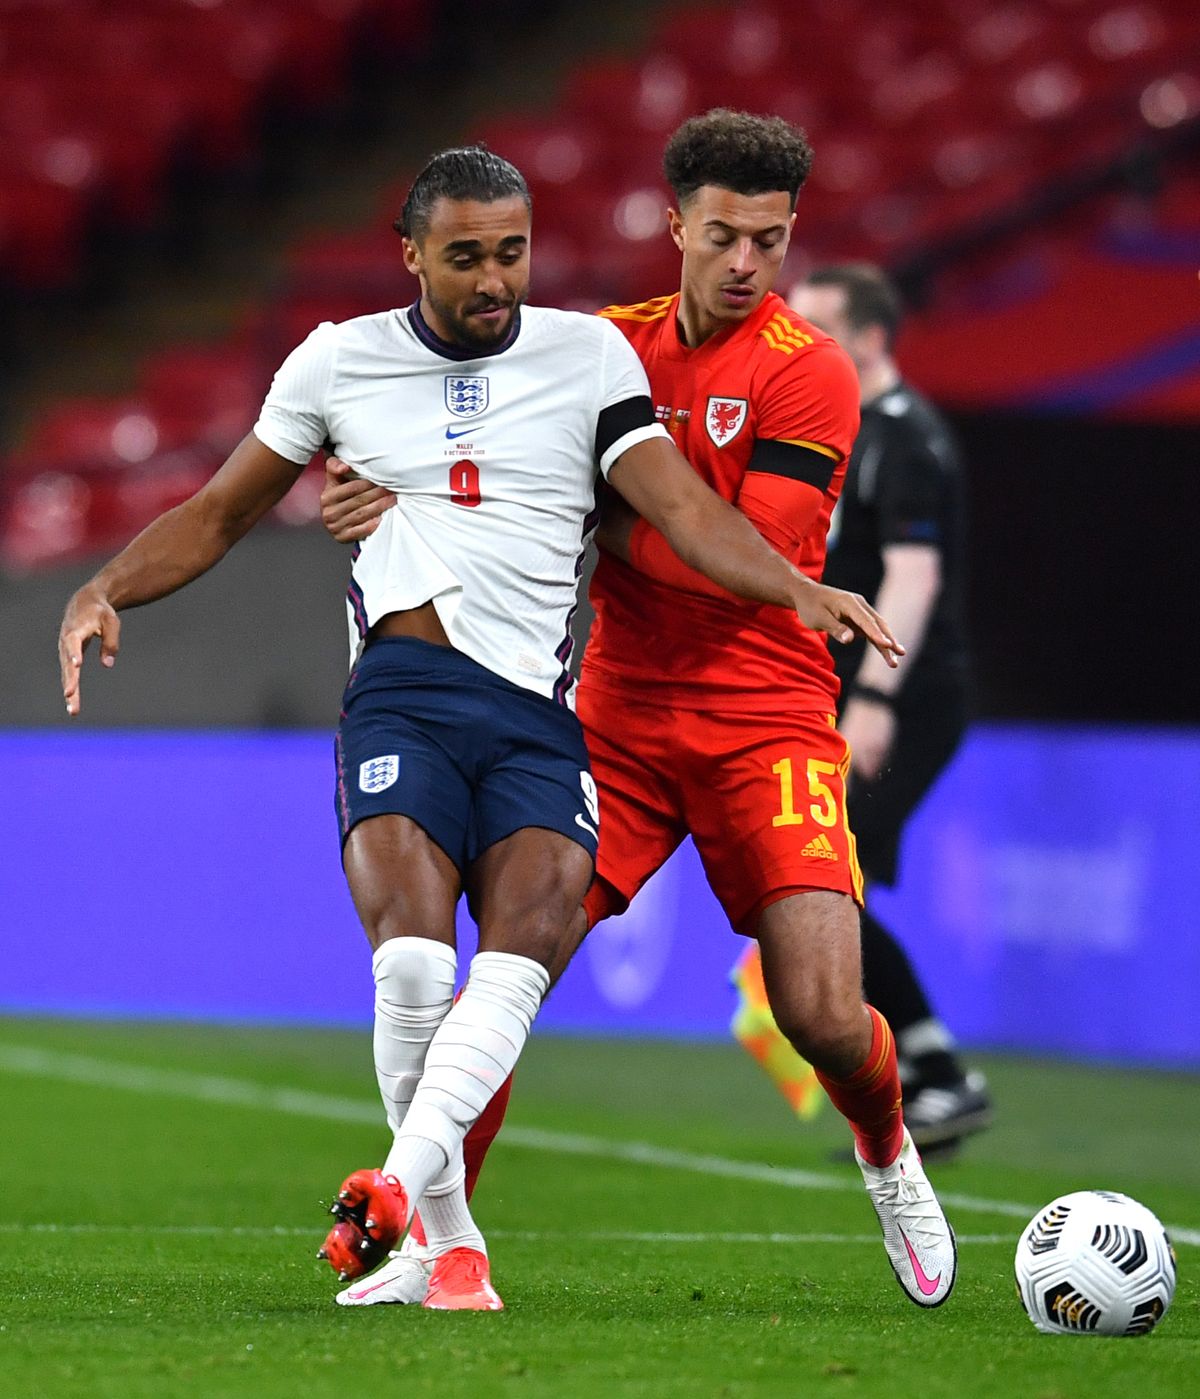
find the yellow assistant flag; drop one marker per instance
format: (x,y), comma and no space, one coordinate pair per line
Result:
(754,1028)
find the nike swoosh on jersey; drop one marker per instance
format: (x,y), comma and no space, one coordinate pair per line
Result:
(579,821)
(463,433)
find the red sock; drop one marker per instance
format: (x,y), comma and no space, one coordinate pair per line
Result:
(479,1139)
(870,1098)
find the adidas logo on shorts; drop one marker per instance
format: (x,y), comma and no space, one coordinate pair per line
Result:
(820,849)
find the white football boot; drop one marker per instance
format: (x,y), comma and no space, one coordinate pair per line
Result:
(919,1240)
(402,1279)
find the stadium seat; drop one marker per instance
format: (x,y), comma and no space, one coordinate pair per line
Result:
(206,396)
(43,228)
(99,434)
(932,120)
(366,262)
(148,86)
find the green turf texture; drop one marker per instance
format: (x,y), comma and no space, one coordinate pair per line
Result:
(164,1277)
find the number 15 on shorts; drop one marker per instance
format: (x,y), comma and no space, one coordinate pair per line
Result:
(823,810)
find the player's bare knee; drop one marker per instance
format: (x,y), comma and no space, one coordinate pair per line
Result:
(537,932)
(530,901)
(390,908)
(402,885)
(399,921)
(834,1039)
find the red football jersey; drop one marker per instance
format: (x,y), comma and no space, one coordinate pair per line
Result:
(773,377)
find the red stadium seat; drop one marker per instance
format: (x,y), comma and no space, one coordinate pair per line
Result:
(100,434)
(366,263)
(550,151)
(43,226)
(144,84)
(207,396)
(930,119)
(636,105)
(44,519)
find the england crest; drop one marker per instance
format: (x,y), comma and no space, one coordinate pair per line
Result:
(378,774)
(466,394)
(724,419)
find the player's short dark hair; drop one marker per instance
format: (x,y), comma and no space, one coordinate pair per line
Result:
(871,296)
(737,151)
(465,172)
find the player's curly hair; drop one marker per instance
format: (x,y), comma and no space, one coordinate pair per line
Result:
(737,151)
(464,172)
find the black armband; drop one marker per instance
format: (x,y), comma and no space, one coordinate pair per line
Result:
(618,419)
(795,460)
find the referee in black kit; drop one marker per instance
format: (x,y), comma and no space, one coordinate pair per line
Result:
(896,538)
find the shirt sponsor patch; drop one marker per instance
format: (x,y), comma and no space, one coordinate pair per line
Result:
(378,774)
(725,418)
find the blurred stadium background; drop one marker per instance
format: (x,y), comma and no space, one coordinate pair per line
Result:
(188,186)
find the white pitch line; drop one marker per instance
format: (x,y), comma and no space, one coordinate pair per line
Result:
(233,1092)
(280,1231)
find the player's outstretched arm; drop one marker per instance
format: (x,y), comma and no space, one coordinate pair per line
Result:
(350,506)
(712,536)
(177,547)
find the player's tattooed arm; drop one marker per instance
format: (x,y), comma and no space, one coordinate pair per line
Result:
(718,540)
(179,546)
(350,506)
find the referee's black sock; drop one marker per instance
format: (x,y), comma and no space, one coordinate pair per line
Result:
(924,1045)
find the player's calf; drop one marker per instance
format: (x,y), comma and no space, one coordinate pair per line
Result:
(372,1213)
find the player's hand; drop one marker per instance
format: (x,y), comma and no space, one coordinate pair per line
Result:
(88,614)
(350,507)
(844,615)
(870,729)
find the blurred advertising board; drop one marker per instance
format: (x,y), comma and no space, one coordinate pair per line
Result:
(1047,894)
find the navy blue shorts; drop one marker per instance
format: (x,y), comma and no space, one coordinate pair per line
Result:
(428,733)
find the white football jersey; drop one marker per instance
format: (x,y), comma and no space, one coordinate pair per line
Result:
(493,458)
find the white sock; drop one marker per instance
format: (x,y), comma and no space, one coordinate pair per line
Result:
(414,988)
(470,1056)
(445,1213)
(928,1036)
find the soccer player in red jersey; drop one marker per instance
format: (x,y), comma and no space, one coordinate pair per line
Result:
(708,716)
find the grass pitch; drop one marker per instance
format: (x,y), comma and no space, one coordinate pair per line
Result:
(162,1214)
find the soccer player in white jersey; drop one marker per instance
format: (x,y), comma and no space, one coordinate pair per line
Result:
(460,764)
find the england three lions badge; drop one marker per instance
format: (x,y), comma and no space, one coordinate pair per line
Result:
(379,774)
(725,418)
(466,394)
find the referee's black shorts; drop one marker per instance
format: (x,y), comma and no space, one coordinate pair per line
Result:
(930,727)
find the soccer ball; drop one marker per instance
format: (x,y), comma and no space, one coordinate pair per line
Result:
(1095,1263)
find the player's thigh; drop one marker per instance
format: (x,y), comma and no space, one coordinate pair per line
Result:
(812,968)
(403,883)
(634,766)
(766,806)
(526,890)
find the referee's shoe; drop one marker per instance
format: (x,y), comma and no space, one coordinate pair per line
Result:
(941,1116)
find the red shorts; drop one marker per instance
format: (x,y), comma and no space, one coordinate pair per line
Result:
(762,796)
